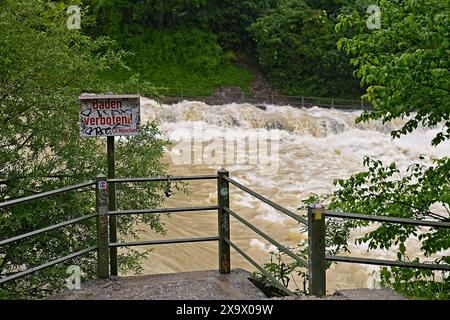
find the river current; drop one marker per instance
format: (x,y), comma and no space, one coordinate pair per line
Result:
(285,154)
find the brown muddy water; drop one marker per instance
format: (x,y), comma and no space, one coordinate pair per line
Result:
(285,154)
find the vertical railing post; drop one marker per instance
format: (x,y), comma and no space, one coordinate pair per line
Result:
(316,244)
(223,196)
(102,227)
(112,206)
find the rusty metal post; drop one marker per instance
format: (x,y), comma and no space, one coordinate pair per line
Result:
(223,196)
(102,227)
(316,244)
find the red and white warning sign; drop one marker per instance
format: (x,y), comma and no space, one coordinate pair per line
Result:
(109,115)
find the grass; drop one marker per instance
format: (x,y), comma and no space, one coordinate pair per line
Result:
(185,62)
(178,80)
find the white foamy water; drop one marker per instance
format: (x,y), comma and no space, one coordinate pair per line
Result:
(315,146)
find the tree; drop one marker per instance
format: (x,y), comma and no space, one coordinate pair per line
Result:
(405,69)
(405,66)
(44,66)
(230,21)
(296,46)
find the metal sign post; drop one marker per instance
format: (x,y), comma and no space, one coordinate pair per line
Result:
(110,116)
(112,206)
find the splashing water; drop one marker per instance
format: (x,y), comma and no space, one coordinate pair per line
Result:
(313,147)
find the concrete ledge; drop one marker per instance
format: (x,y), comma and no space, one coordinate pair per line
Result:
(370,294)
(354,294)
(200,285)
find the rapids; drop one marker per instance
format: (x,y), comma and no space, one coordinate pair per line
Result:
(304,150)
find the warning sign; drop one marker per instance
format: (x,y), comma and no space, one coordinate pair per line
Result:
(109,115)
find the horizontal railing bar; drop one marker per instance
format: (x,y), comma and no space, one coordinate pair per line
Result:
(163,210)
(261,269)
(158,179)
(45,194)
(158,242)
(267,201)
(391,263)
(46,229)
(268,238)
(46,265)
(387,219)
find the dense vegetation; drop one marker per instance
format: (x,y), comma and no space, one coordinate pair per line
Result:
(303,46)
(44,67)
(196,46)
(405,68)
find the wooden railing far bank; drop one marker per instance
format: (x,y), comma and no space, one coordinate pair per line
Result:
(315,222)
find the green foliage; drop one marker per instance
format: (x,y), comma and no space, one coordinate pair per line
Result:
(227,19)
(43,68)
(179,45)
(282,269)
(122,18)
(230,20)
(330,6)
(293,40)
(384,190)
(405,65)
(405,68)
(296,46)
(188,61)
(424,286)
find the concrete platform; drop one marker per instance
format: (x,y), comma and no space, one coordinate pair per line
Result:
(200,285)
(370,294)
(354,294)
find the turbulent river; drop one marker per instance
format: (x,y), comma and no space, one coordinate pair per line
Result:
(281,152)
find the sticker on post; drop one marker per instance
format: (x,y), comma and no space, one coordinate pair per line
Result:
(102,185)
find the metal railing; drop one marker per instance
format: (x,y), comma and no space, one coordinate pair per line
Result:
(106,264)
(225,212)
(318,257)
(28,199)
(104,246)
(315,222)
(295,101)
(223,237)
